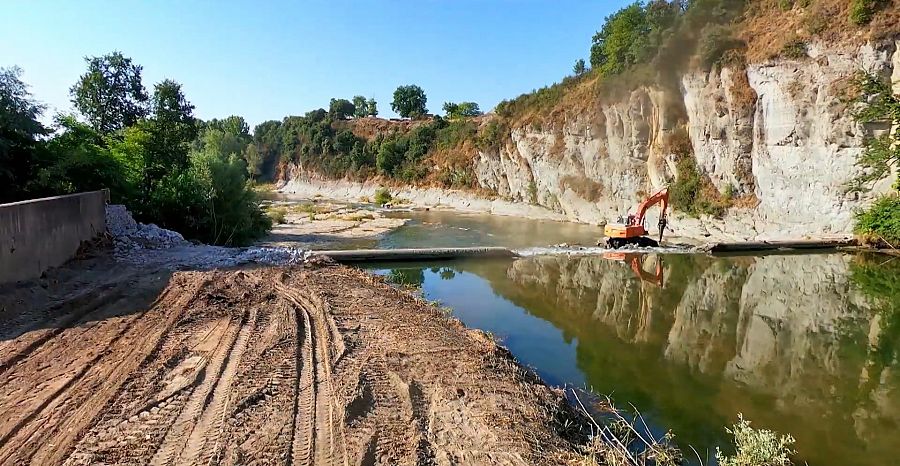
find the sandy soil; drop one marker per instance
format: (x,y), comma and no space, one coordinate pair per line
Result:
(326,225)
(115,365)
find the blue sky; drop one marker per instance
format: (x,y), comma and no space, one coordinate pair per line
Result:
(265,60)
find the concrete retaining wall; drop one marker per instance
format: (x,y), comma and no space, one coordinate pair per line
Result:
(42,233)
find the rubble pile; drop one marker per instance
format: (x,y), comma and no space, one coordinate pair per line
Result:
(141,244)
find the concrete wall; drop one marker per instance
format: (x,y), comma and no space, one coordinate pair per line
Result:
(42,233)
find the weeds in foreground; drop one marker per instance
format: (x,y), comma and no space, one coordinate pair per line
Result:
(757,447)
(617,440)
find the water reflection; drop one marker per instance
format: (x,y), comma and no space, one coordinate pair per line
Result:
(806,344)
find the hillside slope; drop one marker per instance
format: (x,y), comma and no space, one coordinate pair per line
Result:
(762,144)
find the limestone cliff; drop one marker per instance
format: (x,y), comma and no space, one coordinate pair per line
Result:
(780,133)
(777,136)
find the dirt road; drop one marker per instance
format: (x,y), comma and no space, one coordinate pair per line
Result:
(287,366)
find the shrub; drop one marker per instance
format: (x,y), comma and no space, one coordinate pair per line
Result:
(210,201)
(382,196)
(693,193)
(491,136)
(794,49)
(881,221)
(862,11)
(277,214)
(757,447)
(715,42)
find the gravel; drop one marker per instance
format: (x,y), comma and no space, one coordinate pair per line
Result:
(141,244)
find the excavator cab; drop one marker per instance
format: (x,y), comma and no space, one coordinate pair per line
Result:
(633,231)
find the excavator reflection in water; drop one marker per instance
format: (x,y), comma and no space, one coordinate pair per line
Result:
(631,230)
(636,261)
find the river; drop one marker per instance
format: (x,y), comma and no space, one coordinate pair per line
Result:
(801,344)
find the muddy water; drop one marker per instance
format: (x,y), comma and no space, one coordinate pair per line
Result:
(801,344)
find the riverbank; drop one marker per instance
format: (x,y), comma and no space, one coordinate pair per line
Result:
(737,225)
(321,224)
(321,365)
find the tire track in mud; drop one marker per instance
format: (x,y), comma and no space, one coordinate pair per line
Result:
(322,440)
(74,405)
(185,436)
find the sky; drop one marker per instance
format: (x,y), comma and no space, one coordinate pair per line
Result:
(265,60)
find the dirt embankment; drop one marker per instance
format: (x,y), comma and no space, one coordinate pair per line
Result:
(261,366)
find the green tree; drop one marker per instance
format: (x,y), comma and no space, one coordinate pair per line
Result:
(409,101)
(360,106)
(579,68)
(110,94)
(622,41)
(20,132)
(371,107)
(341,109)
(390,155)
(461,110)
(76,159)
(172,128)
(254,161)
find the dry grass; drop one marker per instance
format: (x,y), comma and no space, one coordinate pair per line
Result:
(585,187)
(767,28)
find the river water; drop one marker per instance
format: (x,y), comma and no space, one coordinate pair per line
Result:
(801,344)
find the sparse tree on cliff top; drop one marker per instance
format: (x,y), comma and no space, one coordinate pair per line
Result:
(110,95)
(341,109)
(579,68)
(409,101)
(461,110)
(360,107)
(371,107)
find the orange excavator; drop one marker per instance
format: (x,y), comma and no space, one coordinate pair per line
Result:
(631,230)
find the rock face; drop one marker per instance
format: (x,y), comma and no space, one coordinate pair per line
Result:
(778,135)
(778,132)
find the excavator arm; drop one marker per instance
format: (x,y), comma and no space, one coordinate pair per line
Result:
(660,197)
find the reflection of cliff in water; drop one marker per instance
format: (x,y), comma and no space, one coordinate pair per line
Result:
(787,340)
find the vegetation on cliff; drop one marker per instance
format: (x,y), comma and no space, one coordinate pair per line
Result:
(880,223)
(147,148)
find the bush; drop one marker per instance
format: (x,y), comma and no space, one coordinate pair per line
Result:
(211,201)
(881,221)
(794,49)
(277,214)
(383,196)
(862,11)
(757,447)
(693,193)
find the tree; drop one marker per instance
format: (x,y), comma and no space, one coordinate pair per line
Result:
(341,109)
(172,128)
(76,160)
(622,42)
(579,68)
(19,134)
(409,101)
(371,107)
(461,110)
(360,106)
(254,161)
(110,95)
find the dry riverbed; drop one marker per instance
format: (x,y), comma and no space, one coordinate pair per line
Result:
(322,224)
(104,363)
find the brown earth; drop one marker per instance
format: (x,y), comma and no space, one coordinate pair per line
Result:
(259,366)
